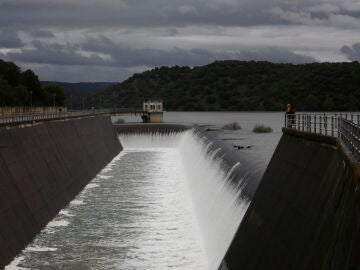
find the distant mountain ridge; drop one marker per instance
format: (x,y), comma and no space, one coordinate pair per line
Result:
(243,86)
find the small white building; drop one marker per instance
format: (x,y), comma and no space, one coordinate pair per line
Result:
(153,111)
(153,106)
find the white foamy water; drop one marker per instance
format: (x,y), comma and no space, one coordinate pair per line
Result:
(77,202)
(219,209)
(66,213)
(14,265)
(58,223)
(39,249)
(163,203)
(91,185)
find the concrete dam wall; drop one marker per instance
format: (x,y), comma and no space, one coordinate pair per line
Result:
(42,168)
(305,213)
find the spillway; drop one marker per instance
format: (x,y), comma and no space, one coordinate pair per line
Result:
(166,201)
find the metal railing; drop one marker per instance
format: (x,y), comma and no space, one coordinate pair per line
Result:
(30,117)
(341,125)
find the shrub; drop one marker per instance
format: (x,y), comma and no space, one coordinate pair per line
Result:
(262,129)
(232,126)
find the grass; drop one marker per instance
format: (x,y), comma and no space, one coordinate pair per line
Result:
(120,121)
(262,129)
(232,126)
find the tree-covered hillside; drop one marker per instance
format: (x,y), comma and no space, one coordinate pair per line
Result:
(19,88)
(243,86)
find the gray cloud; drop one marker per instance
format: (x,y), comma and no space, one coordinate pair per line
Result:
(126,34)
(9,39)
(125,56)
(146,13)
(353,52)
(56,54)
(40,33)
(104,52)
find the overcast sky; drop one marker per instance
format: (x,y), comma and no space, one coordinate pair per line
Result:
(109,40)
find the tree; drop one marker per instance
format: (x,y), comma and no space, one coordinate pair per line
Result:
(55,94)
(10,73)
(32,84)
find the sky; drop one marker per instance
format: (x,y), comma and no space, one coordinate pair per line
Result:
(109,40)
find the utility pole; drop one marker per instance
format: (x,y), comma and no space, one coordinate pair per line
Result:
(54,95)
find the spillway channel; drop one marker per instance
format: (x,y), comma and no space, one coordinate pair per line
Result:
(165,202)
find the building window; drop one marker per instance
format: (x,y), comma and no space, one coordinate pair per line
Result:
(158,107)
(152,107)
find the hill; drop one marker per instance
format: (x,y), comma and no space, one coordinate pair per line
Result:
(243,86)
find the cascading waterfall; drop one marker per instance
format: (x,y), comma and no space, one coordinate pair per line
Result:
(217,204)
(153,140)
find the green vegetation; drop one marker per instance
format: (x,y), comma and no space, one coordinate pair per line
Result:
(262,129)
(232,126)
(19,88)
(243,86)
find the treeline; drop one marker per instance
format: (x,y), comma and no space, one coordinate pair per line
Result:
(19,88)
(243,86)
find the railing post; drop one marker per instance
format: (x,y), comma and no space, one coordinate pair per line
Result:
(325,124)
(302,122)
(339,126)
(298,122)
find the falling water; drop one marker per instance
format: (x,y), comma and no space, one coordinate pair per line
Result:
(164,202)
(217,204)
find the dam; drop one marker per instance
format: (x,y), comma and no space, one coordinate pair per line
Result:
(180,198)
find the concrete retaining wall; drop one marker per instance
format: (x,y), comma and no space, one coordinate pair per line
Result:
(305,213)
(42,168)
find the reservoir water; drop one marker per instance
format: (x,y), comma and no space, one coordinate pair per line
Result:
(263,144)
(163,203)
